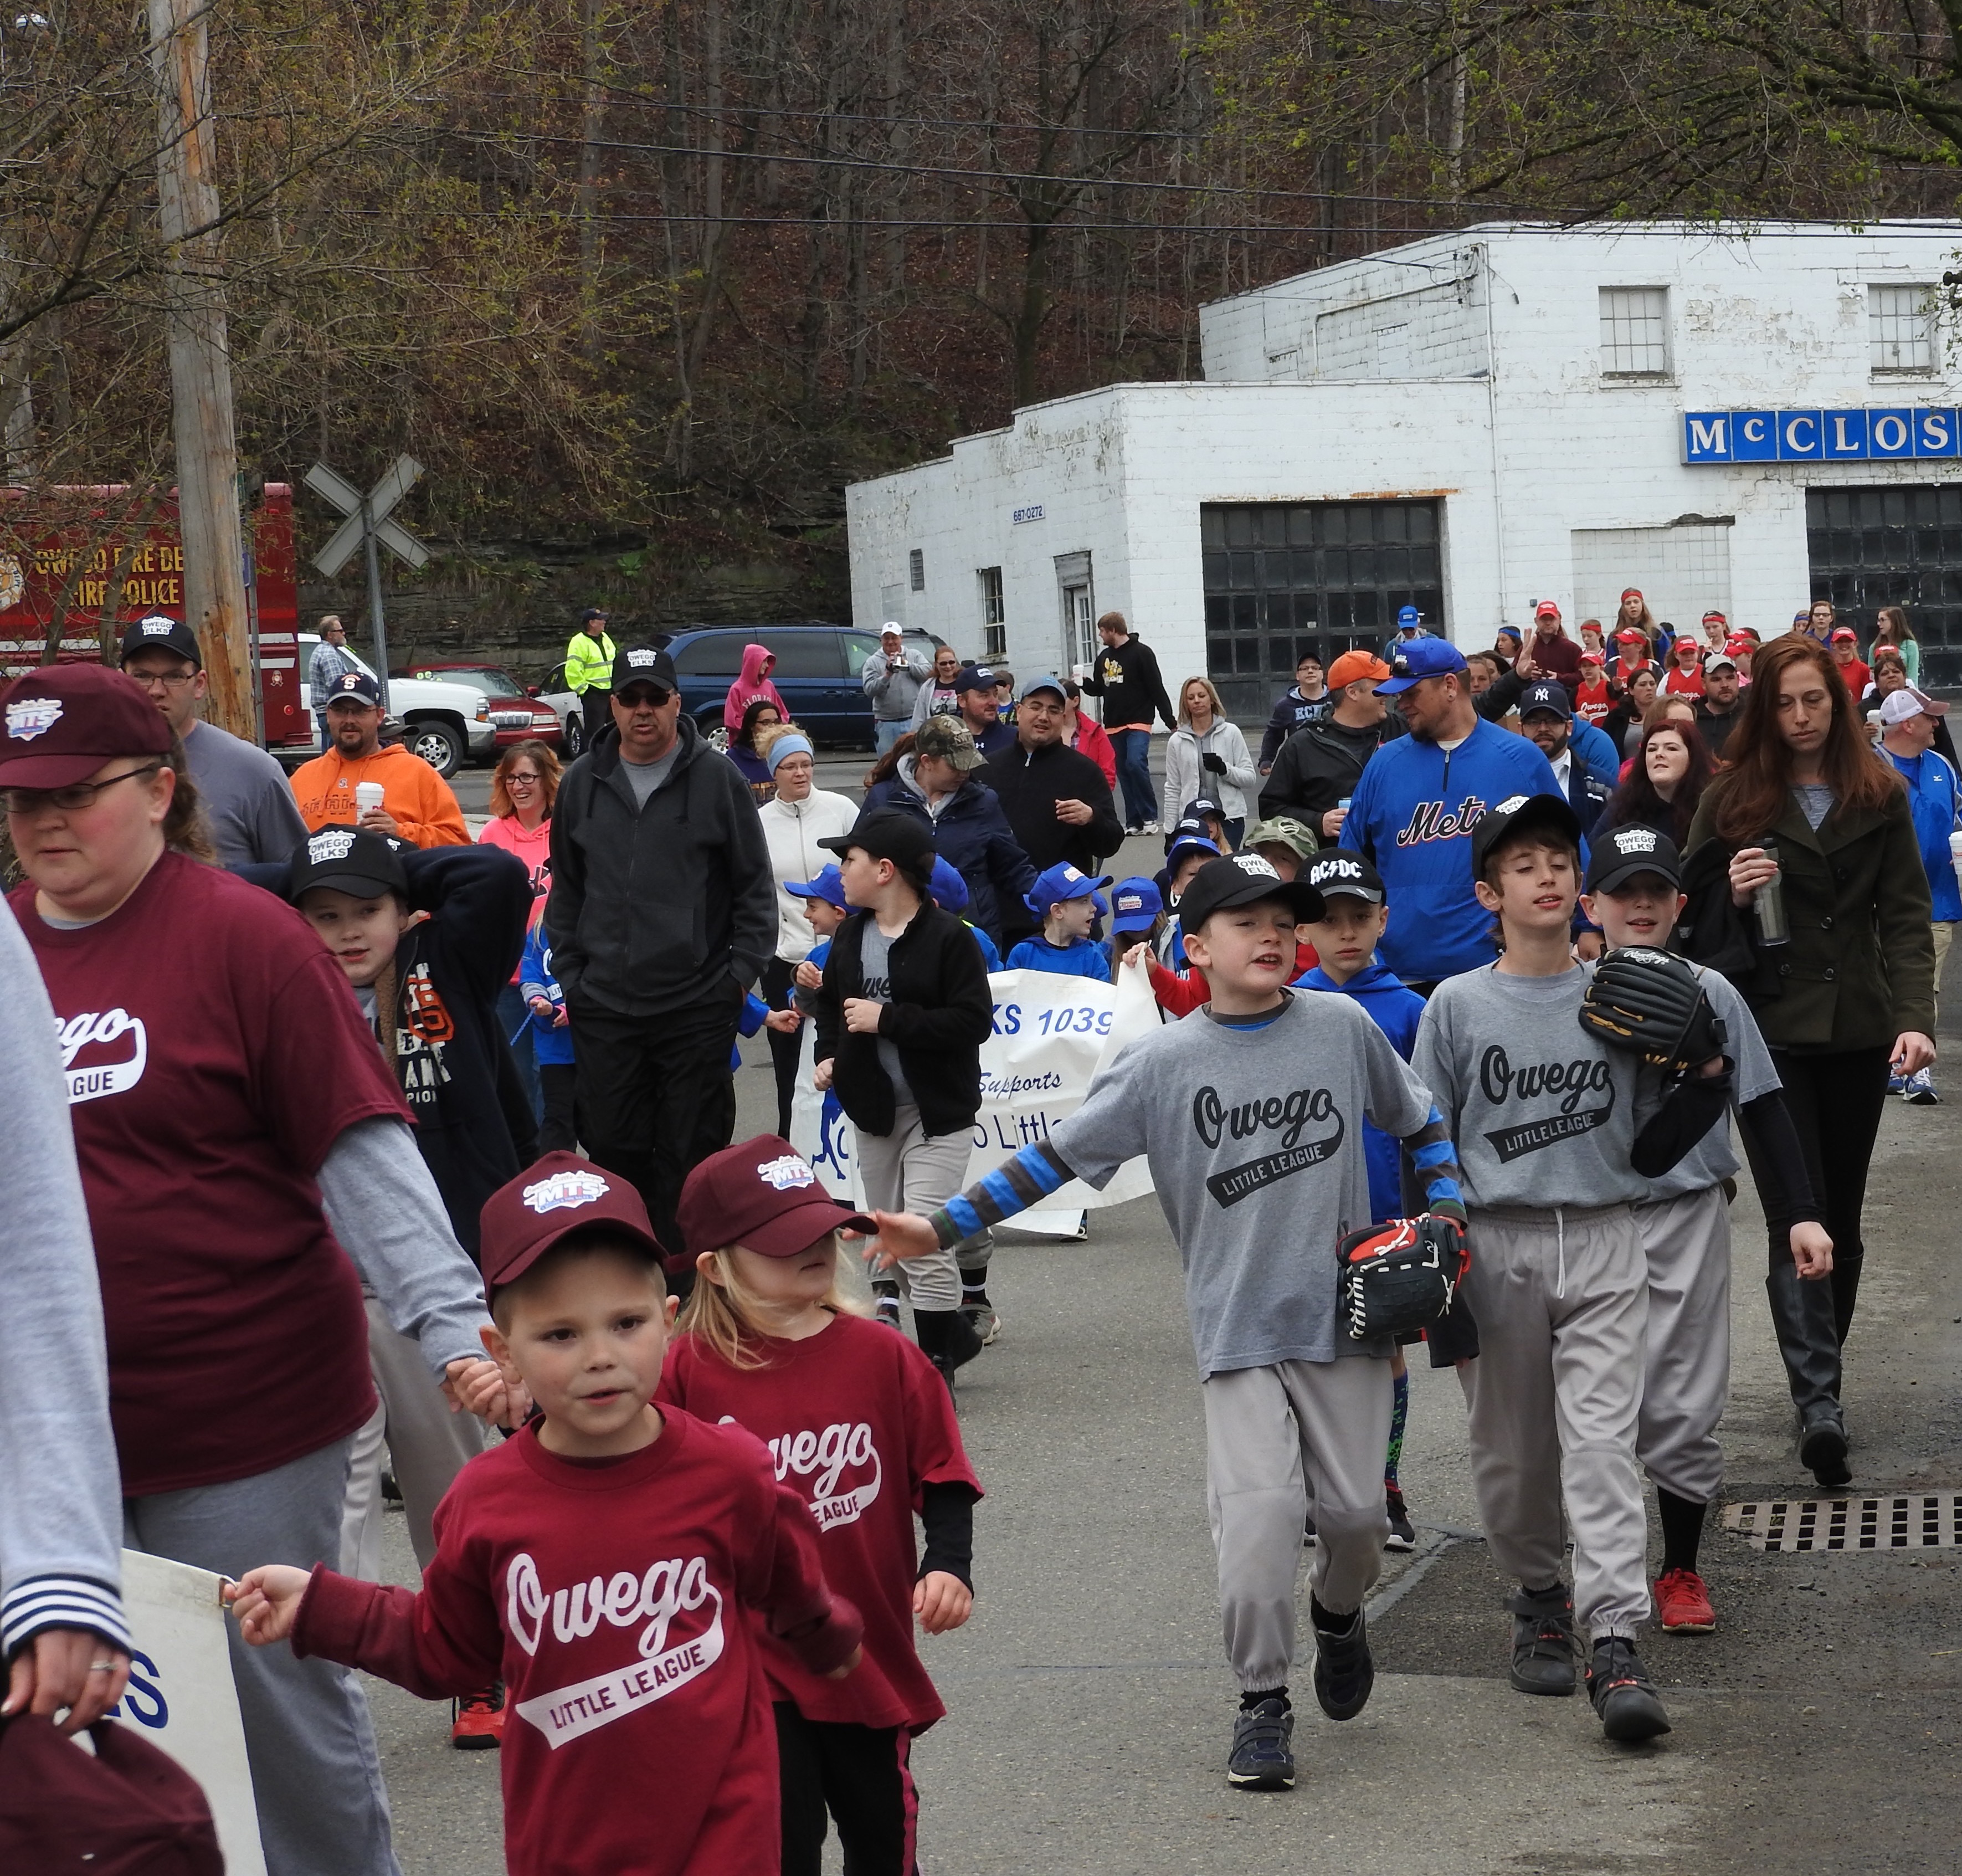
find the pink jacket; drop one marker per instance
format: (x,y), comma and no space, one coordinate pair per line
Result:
(755,682)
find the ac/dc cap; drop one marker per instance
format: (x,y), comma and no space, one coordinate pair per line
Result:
(1241,880)
(763,1196)
(63,722)
(349,859)
(357,685)
(888,834)
(558,1195)
(1337,870)
(1518,811)
(160,629)
(644,664)
(1616,858)
(1421,658)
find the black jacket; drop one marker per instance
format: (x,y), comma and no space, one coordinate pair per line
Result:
(653,909)
(940,1013)
(973,835)
(1126,677)
(473,1121)
(1318,766)
(1029,783)
(1716,730)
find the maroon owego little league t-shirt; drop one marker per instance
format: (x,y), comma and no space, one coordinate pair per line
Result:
(857,1421)
(213,1053)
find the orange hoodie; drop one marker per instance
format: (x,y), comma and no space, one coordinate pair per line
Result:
(425,812)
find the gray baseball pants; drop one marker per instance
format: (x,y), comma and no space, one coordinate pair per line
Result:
(909,1170)
(1280,1440)
(323,1809)
(1687,1380)
(1561,1298)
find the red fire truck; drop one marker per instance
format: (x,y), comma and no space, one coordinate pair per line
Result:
(63,552)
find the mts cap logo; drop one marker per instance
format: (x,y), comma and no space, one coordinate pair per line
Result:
(30,717)
(565,1192)
(786,1172)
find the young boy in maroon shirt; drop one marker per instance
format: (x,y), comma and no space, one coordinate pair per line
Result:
(601,1562)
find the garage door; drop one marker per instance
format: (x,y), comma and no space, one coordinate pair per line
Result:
(1283,578)
(1892,546)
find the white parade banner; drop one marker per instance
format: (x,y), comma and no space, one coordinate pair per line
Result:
(1052,1036)
(180,1696)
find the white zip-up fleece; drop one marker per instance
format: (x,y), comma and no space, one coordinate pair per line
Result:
(793,829)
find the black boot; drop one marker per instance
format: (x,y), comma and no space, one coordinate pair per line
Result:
(1802,1316)
(1846,1281)
(1622,1693)
(949,1339)
(1543,1642)
(1345,1669)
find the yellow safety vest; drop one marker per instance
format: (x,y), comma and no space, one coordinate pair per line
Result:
(589,665)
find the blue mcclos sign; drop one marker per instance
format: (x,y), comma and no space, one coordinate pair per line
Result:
(1869,435)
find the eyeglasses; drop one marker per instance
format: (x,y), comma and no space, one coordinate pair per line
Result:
(75,796)
(518,778)
(175,680)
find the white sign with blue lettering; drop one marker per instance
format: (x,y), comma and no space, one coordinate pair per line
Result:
(180,1696)
(1890,434)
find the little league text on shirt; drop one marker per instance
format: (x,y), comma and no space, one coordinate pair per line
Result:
(98,1028)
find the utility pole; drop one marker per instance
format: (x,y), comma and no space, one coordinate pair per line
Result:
(201,422)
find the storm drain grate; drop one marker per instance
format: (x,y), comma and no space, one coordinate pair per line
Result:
(1919,1521)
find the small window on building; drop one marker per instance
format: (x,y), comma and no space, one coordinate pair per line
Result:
(916,571)
(994,614)
(1900,328)
(1635,331)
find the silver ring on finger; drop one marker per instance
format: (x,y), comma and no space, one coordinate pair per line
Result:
(103,1667)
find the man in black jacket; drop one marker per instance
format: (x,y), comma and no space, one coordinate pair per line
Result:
(1126,675)
(1058,803)
(1318,766)
(663,913)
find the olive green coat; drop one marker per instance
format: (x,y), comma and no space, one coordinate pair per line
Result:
(1860,969)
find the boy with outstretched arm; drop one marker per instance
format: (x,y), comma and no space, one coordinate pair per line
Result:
(603,1561)
(1543,1114)
(1634,894)
(1250,1114)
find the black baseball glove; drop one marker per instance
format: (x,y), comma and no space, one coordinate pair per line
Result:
(1651,1003)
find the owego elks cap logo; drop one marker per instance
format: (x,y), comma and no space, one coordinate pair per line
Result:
(30,717)
(565,1192)
(336,843)
(668,1592)
(100,1030)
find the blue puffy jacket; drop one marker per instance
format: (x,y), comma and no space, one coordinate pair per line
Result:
(971,834)
(1396,1011)
(1412,814)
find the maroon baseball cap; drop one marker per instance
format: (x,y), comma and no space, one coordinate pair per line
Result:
(551,1199)
(60,724)
(763,1196)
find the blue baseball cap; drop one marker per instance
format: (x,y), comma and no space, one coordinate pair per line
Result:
(1057,883)
(828,885)
(1136,905)
(1544,696)
(974,677)
(1408,618)
(1421,658)
(948,890)
(1045,683)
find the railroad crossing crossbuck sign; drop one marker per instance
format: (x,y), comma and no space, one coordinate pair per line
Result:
(366,526)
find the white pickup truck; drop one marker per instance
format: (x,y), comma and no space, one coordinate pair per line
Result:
(446,722)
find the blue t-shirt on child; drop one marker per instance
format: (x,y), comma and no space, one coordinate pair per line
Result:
(551,1042)
(1081,957)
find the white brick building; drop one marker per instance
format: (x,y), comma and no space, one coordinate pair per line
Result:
(1472,424)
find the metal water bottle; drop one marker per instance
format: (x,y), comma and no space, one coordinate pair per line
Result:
(1768,901)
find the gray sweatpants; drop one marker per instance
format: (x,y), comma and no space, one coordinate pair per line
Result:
(1279,1439)
(1687,1381)
(427,1446)
(1560,1299)
(908,1170)
(323,1810)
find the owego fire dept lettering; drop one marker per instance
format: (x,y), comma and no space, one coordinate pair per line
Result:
(652,1601)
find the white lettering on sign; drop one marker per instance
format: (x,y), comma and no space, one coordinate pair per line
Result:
(93,1080)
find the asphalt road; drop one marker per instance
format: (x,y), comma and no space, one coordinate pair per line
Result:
(1090,1709)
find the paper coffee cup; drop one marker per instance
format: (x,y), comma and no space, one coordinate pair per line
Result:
(367,794)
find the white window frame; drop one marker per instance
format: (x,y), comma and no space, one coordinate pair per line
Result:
(1635,344)
(994,613)
(1900,329)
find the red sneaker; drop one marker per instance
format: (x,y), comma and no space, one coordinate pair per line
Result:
(476,1721)
(1683,1604)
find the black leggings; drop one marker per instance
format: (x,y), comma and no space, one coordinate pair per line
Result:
(1835,1102)
(863,1776)
(785,1051)
(558,1131)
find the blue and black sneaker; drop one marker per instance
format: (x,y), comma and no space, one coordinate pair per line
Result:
(1622,1693)
(1345,1669)
(1263,1757)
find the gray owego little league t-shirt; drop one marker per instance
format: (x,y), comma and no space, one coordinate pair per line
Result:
(1713,1157)
(1255,1139)
(1542,1114)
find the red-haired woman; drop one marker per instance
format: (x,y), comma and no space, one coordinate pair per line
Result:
(1666,783)
(1849,998)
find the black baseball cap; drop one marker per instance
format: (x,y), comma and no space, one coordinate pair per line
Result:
(1546,696)
(889,834)
(591,613)
(645,664)
(1241,880)
(974,677)
(357,685)
(1339,870)
(1518,811)
(1615,859)
(170,634)
(349,859)
(1203,808)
